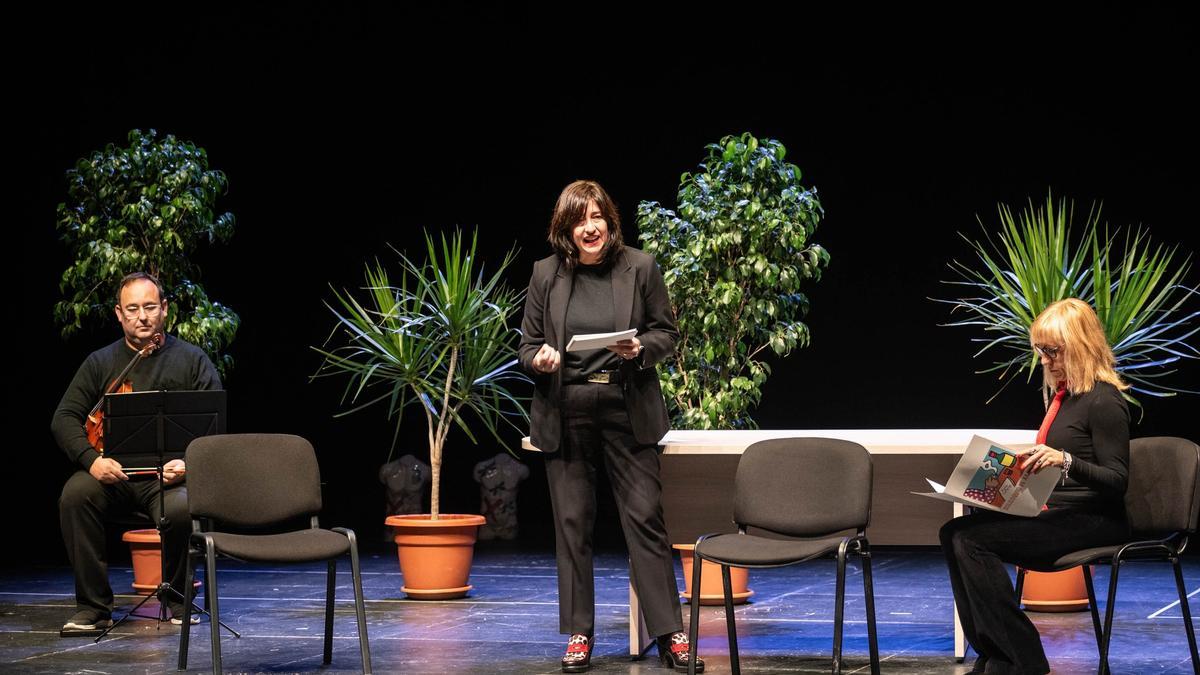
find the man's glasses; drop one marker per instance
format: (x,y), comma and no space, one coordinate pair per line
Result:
(133,311)
(1051,353)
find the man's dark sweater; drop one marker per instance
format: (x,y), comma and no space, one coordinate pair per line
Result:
(176,366)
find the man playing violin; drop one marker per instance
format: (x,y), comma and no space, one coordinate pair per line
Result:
(100,488)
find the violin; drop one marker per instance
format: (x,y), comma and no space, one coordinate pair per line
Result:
(94,426)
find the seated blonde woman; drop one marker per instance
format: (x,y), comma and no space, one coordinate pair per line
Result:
(1085,436)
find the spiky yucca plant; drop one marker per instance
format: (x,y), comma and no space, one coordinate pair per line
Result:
(1138,289)
(439,340)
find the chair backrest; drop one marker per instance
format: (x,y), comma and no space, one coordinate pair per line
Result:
(1163,493)
(803,487)
(252,480)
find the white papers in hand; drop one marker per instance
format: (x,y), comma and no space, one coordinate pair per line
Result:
(581,343)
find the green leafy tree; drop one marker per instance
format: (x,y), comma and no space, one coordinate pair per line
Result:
(145,207)
(734,259)
(1035,258)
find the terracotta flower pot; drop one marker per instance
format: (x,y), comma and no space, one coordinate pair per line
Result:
(712,590)
(1063,591)
(147,565)
(435,555)
(147,560)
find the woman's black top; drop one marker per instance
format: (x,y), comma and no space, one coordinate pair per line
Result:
(1094,428)
(590,310)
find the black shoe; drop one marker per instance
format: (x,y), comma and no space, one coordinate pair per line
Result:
(579,654)
(675,652)
(86,623)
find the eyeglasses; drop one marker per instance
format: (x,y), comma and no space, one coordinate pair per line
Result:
(133,311)
(1051,353)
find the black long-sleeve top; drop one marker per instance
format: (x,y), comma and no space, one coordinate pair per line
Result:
(1094,428)
(590,310)
(176,366)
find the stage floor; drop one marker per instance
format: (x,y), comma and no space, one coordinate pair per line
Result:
(509,623)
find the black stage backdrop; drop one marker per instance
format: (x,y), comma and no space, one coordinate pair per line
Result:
(343,129)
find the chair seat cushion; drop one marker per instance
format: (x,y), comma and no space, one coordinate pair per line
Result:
(1085,556)
(298,546)
(1100,553)
(748,549)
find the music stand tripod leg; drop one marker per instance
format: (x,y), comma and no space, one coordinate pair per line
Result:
(164,587)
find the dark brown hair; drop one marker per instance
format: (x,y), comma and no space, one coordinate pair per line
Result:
(137,276)
(571,208)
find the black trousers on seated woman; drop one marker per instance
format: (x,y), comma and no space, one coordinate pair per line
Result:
(596,428)
(977,546)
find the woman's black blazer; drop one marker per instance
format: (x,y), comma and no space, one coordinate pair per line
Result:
(640,301)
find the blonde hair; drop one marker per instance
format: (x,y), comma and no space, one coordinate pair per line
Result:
(1086,357)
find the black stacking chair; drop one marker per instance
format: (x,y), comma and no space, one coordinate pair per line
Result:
(811,497)
(1162,501)
(260,482)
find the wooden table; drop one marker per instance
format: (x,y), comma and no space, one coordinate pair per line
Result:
(698,467)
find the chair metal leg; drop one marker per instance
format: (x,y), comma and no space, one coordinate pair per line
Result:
(360,606)
(694,624)
(839,608)
(330,590)
(869,594)
(1187,614)
(730,624)
(1094,606)
(210,576)
(1020,584)
(1109,607)
(186,629)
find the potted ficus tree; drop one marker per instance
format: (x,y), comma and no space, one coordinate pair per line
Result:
(148,206)
(439,340)
(736,255)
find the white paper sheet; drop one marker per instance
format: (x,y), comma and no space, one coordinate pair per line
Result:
(588,341)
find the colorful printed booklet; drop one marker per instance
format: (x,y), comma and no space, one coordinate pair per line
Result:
(989,476)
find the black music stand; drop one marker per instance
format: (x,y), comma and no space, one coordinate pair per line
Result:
(144,430)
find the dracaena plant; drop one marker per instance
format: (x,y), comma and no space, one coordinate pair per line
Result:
(438,338)
(146,207)
(1139,290)
(735,260)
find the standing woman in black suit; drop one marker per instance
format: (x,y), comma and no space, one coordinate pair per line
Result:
(602,405)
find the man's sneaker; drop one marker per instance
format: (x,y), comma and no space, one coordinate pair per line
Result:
(177,615)
(87,621)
